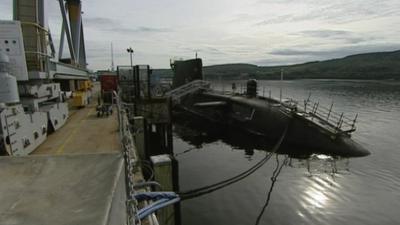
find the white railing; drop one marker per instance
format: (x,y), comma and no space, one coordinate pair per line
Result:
(192,87)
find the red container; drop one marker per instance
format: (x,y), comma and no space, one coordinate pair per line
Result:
(109,82)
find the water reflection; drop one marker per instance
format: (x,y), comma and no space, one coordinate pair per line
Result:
(315,198)
(323,164)
(313,188)
(199,132)
(313,193)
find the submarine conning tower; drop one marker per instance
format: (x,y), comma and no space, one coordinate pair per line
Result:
(186,71)
(251,88)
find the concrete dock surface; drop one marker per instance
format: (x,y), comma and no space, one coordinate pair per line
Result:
(84,133)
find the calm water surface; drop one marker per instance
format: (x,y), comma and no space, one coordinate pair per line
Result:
(317,190)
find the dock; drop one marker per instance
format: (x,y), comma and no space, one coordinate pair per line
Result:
(77,174)
(63,189)
(84,133)
(69,149)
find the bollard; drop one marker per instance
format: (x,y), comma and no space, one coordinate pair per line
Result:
(162,166)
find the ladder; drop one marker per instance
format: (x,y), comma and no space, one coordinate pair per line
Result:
(178,93)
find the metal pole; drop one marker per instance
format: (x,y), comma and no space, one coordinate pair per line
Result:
(354,121)
(131,60)
(112,57)
(280,87)
(61,48)
(329,113)
(135,82)
(130,51)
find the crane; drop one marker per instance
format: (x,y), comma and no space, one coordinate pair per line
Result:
(32,102)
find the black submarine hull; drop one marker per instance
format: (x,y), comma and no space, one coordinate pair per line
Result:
(268,118)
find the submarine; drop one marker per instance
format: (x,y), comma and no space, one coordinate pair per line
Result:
(310,127)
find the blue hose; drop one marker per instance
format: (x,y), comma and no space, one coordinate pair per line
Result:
(142,213)
(154,195)
(163,199)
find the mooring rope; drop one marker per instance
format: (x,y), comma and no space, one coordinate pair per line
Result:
(213,187)
(274,177)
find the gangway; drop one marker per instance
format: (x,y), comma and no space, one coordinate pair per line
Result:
(178,93)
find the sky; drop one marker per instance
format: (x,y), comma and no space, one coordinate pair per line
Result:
(261,32)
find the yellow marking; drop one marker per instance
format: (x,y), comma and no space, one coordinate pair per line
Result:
(60,150)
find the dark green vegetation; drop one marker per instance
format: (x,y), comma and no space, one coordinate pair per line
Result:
(380,65)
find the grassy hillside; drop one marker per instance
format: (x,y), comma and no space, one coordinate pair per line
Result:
(380,65)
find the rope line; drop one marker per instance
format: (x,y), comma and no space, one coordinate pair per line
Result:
(274,177)
(214,187)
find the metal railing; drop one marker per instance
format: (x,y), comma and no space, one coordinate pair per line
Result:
(194,86)
(129,153)
(131,160)
(338,121)
(37,58)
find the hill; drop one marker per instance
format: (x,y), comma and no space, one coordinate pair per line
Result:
(379,65)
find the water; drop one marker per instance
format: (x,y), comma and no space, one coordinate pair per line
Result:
(317,190)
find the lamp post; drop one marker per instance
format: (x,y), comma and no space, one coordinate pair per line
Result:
(130,51)
(135,82)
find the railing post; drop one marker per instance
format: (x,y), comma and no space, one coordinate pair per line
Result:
(354,122)
(309,96)
(316,108)
(339,124)
(329,113)
(312,111)
(306,102)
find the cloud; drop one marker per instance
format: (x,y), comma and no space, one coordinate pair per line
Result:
(111,25)
(264,31)
(346,37)
(334,12)
(287,18)
(126,30)
(151,29)
(99,21)
(326,33)
(294,52)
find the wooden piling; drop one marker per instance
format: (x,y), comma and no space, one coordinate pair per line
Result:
(140,136)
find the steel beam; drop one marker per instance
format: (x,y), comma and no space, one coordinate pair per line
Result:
(75,22)
(67,30)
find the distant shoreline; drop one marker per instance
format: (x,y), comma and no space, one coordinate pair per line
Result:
(305,78)
(368,66)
